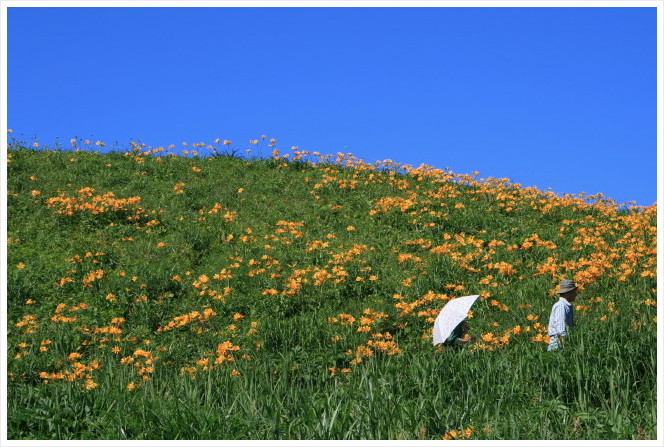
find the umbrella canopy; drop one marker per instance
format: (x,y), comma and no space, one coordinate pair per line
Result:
(454,312)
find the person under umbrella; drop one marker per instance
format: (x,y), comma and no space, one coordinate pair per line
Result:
(458,335)
(450,326)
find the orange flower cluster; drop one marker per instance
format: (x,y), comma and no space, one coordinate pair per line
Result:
(387,203)
(403,257)
(389,346)
(345,319)
(143,362)
(223,355)
(291,227)
(223,352)
(29,322)
(407,308)
(79,371)
(92,276)
(58,312)
(336,371)
(458,434)
(178,188)
(87,202)
(535,240)
(360,353)
(266,263)
(365,322)
(316,245)
(350,254)
(202,284)
(229,215)
(183,320)
(378,343)
(111,330)
(504,268)
(422,243)
(294,282)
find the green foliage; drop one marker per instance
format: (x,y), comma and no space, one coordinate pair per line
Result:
(124,314)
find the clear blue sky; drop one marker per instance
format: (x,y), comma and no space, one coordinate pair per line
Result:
(560,98)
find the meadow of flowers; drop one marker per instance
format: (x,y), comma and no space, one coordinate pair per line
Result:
(222,295)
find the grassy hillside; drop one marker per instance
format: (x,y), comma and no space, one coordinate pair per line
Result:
(160,297)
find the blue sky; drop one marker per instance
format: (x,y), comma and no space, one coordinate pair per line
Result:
(561,98)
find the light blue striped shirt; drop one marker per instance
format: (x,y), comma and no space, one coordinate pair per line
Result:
(562,314)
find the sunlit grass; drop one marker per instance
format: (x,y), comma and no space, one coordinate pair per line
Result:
(225,295)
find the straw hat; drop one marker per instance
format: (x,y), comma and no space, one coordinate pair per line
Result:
(566,285)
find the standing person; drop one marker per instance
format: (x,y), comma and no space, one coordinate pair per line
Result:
(562,314)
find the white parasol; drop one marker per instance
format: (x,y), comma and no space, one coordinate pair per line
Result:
(454,312)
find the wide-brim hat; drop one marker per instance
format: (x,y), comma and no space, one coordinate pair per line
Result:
(566,285)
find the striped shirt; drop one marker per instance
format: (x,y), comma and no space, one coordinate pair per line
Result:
(562,315)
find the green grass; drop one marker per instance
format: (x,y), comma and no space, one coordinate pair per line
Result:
(294,375)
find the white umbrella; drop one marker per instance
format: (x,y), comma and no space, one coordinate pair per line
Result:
(450,316)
